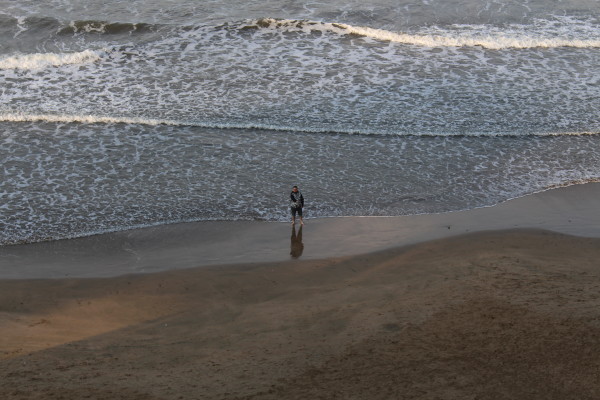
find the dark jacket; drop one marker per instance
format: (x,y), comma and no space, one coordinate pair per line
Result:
(297,200)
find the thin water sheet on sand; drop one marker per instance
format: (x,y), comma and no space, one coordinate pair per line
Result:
(572,210)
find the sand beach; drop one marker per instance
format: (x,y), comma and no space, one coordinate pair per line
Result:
(448,154)
(493,303)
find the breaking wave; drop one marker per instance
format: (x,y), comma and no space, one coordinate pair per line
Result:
(107,27)
(44,60)
(36,24)
(541,35)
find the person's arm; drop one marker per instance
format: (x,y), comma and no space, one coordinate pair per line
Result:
(302,200)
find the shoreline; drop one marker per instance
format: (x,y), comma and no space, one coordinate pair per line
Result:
(484,303)
(570,210)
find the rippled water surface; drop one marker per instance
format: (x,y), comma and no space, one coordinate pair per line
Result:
(114,116)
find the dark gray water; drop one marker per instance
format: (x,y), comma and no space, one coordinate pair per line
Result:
(113,117)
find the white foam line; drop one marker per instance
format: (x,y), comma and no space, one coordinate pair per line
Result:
(487,41)
(92,119)
(464,36)
(44,60)
(87,119)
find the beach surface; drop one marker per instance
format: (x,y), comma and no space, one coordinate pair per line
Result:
(571,210)
(494,303)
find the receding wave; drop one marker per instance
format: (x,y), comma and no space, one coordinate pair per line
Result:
(44,60)
(93,119)
(510,37)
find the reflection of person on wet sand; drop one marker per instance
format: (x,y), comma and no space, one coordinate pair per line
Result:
(297,247)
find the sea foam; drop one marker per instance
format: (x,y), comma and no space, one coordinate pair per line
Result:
(86,119)
(45,60)
(543,34)
(98,119)
(483,38)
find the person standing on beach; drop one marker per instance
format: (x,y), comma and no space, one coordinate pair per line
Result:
(297,202)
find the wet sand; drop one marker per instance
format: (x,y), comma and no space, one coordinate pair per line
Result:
(572,210)
(476,308)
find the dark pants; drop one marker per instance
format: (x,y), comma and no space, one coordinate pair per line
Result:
(297,210)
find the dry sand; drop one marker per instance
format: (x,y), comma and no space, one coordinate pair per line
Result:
(512,314)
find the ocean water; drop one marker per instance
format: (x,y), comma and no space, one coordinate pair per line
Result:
(128,114)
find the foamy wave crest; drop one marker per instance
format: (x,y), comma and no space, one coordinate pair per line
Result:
(45,60)
(93,119)
(492,40)
(540,35)
(86,119)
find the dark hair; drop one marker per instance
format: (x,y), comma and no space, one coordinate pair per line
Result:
(295,187)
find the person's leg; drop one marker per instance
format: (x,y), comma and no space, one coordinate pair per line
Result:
(300,215)
(293,216)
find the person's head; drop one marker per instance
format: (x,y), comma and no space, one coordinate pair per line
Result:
(295,189)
